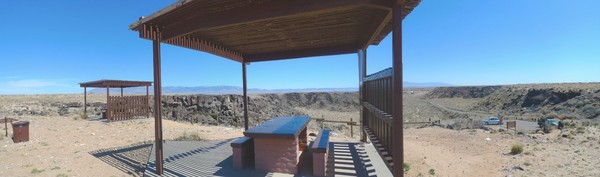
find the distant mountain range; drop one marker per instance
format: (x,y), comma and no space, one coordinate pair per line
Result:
(426,84)
(216,90)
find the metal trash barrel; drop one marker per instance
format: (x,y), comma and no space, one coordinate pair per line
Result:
(20,131)
(103,113)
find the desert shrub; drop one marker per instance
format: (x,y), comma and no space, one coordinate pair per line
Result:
(586,123)
(406,167)
(431,172)
(570,124)
(590,111)
(62,175)
(580,129)
(460,124)
(547,128)
(477,124)
(190,137)
(579,104)
(36,171)
(516,148)
(566,116)
(81,115)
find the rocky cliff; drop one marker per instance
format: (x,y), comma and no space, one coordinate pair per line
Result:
(573,100)
(462,92)
(228,109)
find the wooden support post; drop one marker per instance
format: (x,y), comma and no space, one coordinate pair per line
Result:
(351,129)
(362,73)
(157,104)
(147,103)
(121,91)
(245,88)
(108,104)
(6,127)
(85,100)
(398,132)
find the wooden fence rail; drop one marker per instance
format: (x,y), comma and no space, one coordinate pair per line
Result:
(127,107)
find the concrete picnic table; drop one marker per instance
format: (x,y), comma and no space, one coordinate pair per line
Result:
(278,143)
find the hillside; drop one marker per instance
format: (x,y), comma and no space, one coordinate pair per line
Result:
(574,100)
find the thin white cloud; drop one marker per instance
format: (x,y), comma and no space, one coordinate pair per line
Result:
(35,86)
(11,77)
(31,83)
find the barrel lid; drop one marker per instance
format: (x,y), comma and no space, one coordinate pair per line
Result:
(21,123)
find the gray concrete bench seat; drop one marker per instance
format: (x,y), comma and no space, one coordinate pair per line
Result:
(319,150)
(243,152)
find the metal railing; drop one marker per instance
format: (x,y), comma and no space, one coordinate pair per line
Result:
(377,110)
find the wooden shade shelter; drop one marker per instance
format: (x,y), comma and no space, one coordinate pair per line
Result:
(266,30)
(120,107)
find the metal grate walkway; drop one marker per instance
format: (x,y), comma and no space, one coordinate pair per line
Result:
(213,158)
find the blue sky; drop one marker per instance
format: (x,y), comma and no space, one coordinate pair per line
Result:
(50,46)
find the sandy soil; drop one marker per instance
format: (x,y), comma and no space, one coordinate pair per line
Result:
(62,145)
(481,153)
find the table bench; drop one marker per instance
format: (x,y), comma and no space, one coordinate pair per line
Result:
(278,143)
(320,149)
(243,152)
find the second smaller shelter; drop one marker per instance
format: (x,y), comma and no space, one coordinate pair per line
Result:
(120,107)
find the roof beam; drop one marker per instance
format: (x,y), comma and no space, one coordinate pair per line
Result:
(300,53)
(148,32)
(376,29)
(160,12)
(206,46)
(258,12)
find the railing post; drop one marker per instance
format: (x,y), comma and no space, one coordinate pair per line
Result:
(362,73)
(398,132)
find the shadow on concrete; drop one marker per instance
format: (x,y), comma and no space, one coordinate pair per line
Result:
(349,159)
(130,159)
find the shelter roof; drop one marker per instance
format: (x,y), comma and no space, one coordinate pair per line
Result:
(115,83)
(265,30)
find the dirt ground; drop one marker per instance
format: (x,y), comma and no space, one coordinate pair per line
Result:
(63,146)
(68,146)
(482,153)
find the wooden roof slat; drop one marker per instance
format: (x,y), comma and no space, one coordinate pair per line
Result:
(258,12)
(322,51)
(259,30)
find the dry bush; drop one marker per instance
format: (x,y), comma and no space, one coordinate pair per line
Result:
(82,115)
(516,148)
(190,137)
(460,124)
